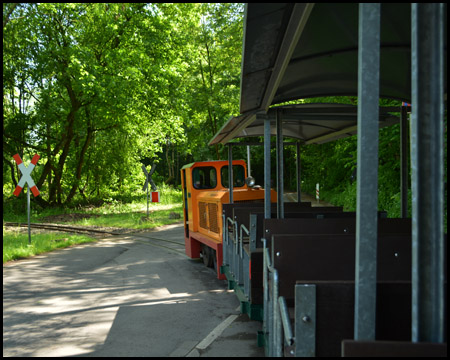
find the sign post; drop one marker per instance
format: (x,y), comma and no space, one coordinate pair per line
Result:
(148,178)
(146,183)
(26,178)
(28,217)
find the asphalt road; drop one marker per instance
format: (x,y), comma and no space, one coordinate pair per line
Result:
(122,296)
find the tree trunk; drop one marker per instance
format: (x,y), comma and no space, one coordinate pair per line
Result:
(80,164)
(49,155)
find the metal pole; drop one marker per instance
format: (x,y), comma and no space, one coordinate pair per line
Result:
(147,195)
(280,175)
(266,315)
(230,171)
(299,177)
(427,159)
(28,208)
(404,162)
(267,203)
(248,161)
(276,318)
(367,177)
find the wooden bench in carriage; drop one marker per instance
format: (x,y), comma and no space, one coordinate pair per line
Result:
(316,281)
(243,248)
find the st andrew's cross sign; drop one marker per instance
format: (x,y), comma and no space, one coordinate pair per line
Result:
(148,178)
(26,175)
(26,178)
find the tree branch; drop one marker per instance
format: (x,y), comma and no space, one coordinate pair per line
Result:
(21,142)
(6,19)
(11,165)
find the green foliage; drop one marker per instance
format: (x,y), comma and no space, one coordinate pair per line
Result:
(100,89)
(15,244)
(333,165)
(115,203)
(116,215)
(97,88)
(346,197)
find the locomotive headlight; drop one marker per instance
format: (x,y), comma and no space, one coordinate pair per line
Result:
(250,181)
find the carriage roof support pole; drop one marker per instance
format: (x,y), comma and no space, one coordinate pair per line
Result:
(404,161)
(299,173)
(427,159)
(230,171)
(280,164)
(248,161)
(267,206)
(367,176)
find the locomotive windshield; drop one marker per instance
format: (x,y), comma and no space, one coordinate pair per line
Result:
(204,177)
(238,176)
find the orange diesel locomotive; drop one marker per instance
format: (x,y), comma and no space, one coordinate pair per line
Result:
(205,189)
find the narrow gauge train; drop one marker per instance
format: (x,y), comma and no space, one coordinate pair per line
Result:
(308,254)
(205,190)
(327,282)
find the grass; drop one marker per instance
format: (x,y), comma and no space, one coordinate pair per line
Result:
(135,219)
(15,244)
(111,214)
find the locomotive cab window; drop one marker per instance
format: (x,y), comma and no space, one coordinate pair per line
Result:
(238,176)
(204,177)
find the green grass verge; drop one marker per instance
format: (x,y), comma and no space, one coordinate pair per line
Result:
(135,219)
(15,244)
(115,214)
(133,216)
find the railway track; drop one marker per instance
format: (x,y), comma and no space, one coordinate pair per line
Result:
(146,239)
(66,228)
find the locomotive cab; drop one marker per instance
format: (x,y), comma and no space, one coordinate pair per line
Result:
(205,188)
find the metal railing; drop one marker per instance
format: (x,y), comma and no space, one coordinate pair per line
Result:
(276,323)
(276,316)
(226,239)
(233,250)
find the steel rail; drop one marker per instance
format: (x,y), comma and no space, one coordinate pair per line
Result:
(66,228)
(60,228)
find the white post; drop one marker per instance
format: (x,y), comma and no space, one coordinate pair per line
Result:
(28,208)
(147,195)
(317,192)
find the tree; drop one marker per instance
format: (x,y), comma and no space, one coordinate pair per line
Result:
(214,75)
(85,69)
(94,88)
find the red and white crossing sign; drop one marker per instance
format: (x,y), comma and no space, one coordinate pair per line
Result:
(26,177)
(155,196)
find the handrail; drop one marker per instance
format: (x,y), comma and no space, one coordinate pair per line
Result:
(226,225)
(276,321)
(268,261)
(242,227)
(275,336)
(278,309)
(236,236)
(285,321)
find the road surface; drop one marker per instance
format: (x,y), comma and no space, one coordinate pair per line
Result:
(122,296)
